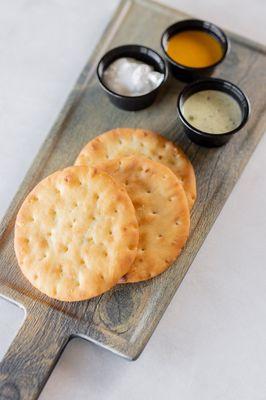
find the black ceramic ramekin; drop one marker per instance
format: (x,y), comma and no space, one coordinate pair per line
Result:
(182,72)
(204,138)
(141,53)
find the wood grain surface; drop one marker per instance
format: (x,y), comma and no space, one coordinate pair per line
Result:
(123,319)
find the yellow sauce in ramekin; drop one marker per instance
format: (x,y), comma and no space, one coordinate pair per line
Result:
(194,48)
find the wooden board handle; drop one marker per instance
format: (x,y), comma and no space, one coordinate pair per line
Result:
(31,357)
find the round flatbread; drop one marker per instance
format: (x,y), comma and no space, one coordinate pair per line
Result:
(76,234)
(162,213)
(123,142)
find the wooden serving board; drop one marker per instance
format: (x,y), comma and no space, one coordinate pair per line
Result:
(123,319)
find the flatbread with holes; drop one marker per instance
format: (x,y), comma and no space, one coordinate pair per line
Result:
(123,142)
(76,234)
(162,212)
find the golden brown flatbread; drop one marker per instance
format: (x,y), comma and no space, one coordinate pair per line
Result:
(76,234)
(162,213)
(123,142)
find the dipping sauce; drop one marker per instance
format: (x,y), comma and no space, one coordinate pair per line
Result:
(196,49)
(130,77)
(212,111)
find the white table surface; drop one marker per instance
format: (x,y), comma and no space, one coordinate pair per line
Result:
(211,342)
